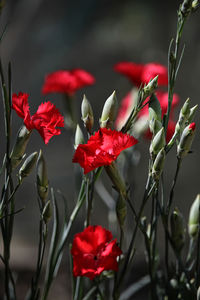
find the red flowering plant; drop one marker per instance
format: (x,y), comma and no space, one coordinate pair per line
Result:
(67,82)
(95,254)
(94,251)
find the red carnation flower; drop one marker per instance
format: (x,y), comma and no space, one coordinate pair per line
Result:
(141,74)
(66,82)
(94,251)
(102,149)
(45,120)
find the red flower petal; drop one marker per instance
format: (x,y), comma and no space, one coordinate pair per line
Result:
(45,120)
(94,251)
(102,149)
(141,74)
(21,106)
(67,81)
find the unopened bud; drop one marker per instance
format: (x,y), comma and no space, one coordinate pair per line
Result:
(121,210)
(177,230)
(155,126)
(186,140)
(158,164)
(27,166)
(109,112)
(150,88)
(183,116)
(79,138)
(158,142)
(192,113)
(87,114)
(194,217)
(195,5)
(46,214)
(19,148)
(155,112)
(42,178)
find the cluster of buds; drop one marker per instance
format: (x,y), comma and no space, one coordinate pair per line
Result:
(185,116)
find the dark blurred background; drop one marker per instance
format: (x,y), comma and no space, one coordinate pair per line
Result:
(43,36)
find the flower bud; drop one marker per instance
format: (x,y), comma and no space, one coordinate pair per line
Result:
(19,148)
(186,141)
(109,112)
(154,109)
(177,230)
(193,222)
(87,114)
(195,5)
(158,142)
(183,116)
(42,178)
(46,213)
(150,87)
(27,166)
(158,164)
(121,210)
(192,113)
(155,126)
(79,138)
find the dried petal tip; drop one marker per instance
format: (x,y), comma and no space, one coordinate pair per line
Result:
(192,126)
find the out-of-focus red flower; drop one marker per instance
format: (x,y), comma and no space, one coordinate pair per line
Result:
(94,251)
(45,120)
(127,105)
(142,73)
(67,82)
(102,149)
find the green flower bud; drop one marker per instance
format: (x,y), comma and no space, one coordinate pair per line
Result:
(79,138)
(193,222)
(27,166)
(158,142)
(121,210)
(87,114)
(155,126)
(19,148)
(195,5)
(192,113)
(155,112)
(158,164)
(150,87)
(177,230)
(109,112)
(46,213)
(42,178)
(186,141)
(183,116)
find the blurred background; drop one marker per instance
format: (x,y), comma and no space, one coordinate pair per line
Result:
(43,36)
